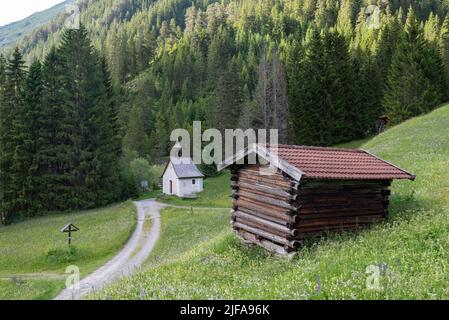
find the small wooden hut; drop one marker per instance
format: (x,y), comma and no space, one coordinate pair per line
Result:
(305,192)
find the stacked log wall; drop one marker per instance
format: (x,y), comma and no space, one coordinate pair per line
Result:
(277,212)
(264,210)
(334,205)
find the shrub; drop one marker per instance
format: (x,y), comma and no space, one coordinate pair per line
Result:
(142,170)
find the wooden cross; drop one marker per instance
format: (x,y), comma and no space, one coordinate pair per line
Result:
(69,228)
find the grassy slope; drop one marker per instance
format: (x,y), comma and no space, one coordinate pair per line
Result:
(24,249)
(177,236)
(216,194)
(412,246)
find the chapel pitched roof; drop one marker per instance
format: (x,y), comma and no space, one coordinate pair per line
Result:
(185,168)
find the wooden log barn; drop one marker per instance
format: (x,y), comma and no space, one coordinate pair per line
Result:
(308,192)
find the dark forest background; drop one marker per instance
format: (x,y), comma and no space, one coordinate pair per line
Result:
(77,107)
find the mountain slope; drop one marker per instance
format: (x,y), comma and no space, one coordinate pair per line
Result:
(12,32)
(409,251)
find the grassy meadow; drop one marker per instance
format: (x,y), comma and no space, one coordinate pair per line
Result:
(216,194)
(198,257)
(34,253)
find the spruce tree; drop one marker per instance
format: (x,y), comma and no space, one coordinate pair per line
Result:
(391,34)
(54,143)
(432,29)
(89,130)
(224,111)
(25,171)
(111,146)
(309,111)
(159,139)
(344,20)
(368,88)
(323,109)
(339,87)
(415,84)
(11,103)
(136,138)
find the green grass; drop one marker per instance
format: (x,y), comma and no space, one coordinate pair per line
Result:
(34,253)
(176,232)
(412,247)
(216,194)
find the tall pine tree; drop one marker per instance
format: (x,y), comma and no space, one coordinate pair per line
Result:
(12,101)
(54,141)
(27,126)
(415,83)
(89,129)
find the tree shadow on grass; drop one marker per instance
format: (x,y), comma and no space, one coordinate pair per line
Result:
(404,206)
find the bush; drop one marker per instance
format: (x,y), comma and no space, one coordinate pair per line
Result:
(129,187)
(142,170)
(134,170)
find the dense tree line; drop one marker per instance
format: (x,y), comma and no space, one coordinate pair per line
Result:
(59,139)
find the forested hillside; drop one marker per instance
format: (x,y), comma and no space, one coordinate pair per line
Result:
(320,71)
(316,70)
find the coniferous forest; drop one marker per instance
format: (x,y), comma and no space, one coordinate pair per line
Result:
(58,134)
(89,101)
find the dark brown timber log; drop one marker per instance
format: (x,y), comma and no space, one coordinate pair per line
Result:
(270,246)
(285,235)
(264,189)
(268,180)
(338,215)
(266,223)
(340,221)
(269,236)
(267,200)
(264,213)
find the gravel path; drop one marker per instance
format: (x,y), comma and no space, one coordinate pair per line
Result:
(134,253)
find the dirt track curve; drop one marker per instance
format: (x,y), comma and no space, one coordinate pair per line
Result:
(129,259)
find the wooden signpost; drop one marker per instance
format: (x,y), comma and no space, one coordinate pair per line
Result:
(144,184)
(69,228)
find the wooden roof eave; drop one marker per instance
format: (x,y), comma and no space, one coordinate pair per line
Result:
(271,158)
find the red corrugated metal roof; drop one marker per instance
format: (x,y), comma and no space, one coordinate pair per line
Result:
(334,163)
